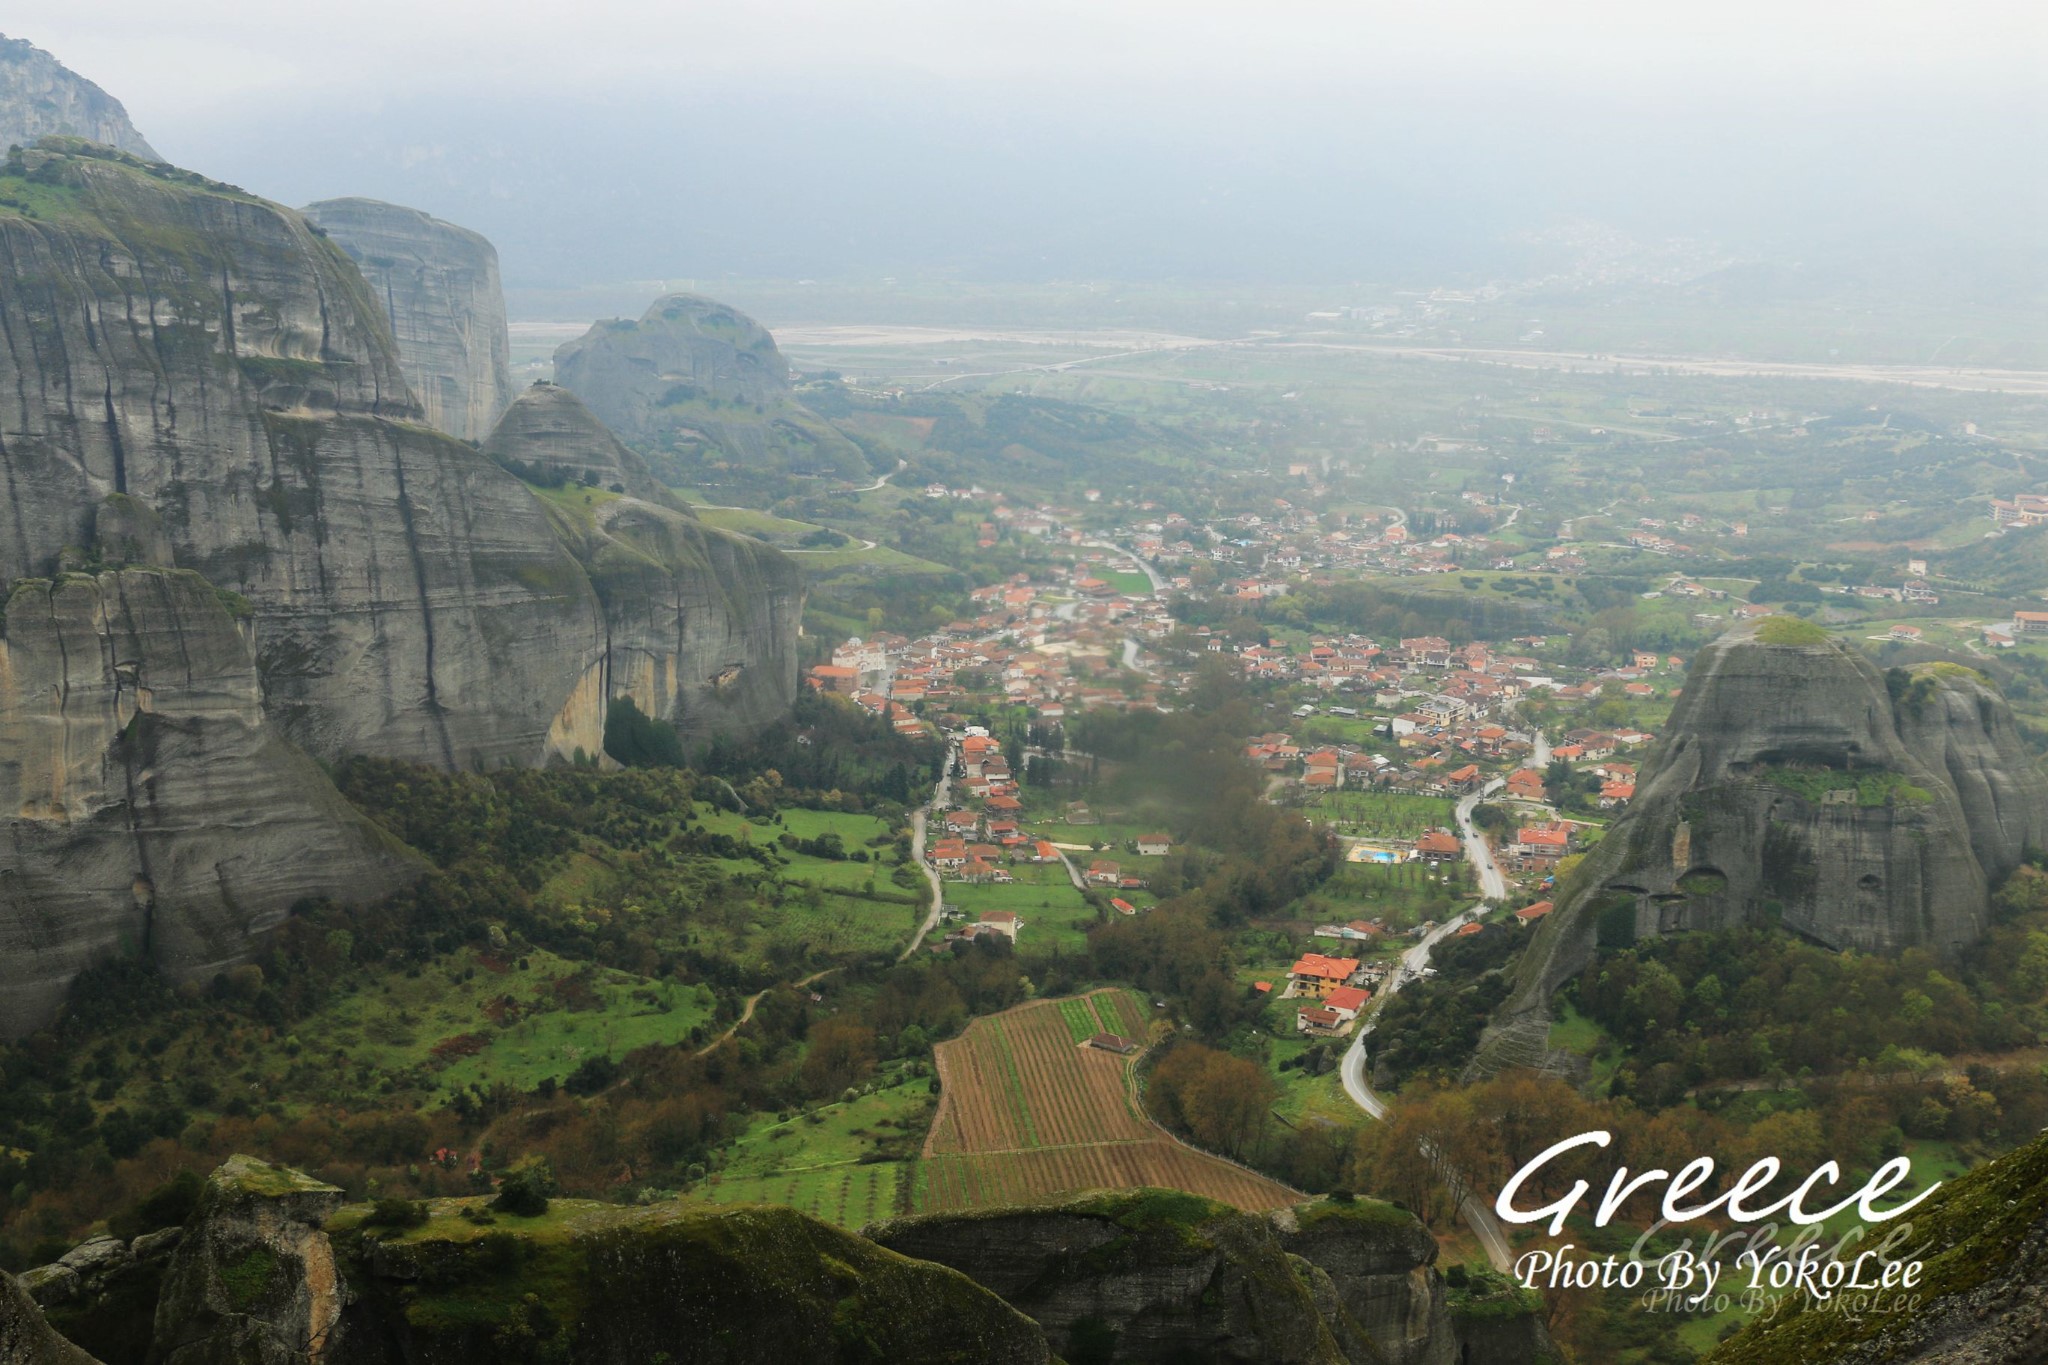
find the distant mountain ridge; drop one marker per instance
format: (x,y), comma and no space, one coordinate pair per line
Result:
(41,97)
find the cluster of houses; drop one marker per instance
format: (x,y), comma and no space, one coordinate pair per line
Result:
(1333,990)
(1053,645)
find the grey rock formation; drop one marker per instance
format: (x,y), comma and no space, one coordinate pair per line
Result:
(255,1281)
(209,356)
(700,624)
(25,1339)
(1382,1263)
(548,431)
(1792,784)
(40,97)
(274,1272)
(144,805)
(439,288)
(695,379)
(1167,1276)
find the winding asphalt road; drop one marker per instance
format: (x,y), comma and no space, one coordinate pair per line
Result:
(1494,887)
(918,818)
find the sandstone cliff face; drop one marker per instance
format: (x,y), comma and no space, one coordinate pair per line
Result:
(41,97)
(700,625)
(1383,1266)
(438,285)
(254,1282)
(1173,1277)
(548,431)
(696,379)
(1793,785)
(145,808)
(209,356)
(273,1271)
(25,1339)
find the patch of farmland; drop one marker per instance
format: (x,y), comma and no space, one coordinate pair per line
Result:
(1027,1110)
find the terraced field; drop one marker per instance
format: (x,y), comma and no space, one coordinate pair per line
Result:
(1026,1110)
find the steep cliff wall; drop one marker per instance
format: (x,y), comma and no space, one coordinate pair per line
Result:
(1798,784)
(145,808)
(697,379)
(41,97)
(548,431)
(438,285)
(700,624)
(25,1339)
(211,357)
(1156,1275)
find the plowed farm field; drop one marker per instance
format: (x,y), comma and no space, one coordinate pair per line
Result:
(1028,1110)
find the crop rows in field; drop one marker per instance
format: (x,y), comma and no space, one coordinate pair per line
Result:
(1112,1011)
(1027,1111)
(851,1195)
(969,1181)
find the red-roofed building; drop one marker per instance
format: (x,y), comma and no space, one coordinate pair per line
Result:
(1529,914)
(1347,1001)
(1438,846)
(833,678)
(1317,975)
(1122,906)
(1314,1019)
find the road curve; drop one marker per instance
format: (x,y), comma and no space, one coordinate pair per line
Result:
(940,795)
(1493,887)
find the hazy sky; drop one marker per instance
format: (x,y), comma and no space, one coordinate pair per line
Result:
(172,61)
(1339,138)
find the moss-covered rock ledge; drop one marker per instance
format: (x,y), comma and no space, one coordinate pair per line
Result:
(1982,1298)
(278,1270)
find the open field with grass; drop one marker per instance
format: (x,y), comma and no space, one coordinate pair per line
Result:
(1026,1111)
(845,1163)
(1394,816)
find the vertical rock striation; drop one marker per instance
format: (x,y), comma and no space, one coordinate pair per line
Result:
(439,289)
(145,808)
(209,356)
(41,97)
(700,624)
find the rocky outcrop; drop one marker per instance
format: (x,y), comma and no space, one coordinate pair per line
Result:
(254,1282)
(438,285)
(102,1294)
(700,625)
(145,807)
(548,435)
(211,357)
(695,380)
(1155,1275)
(25,1339)
(272,1270)
(1382,1263)
(1798,784)
(40,97)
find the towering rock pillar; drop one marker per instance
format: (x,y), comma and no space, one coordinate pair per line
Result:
(438,284)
